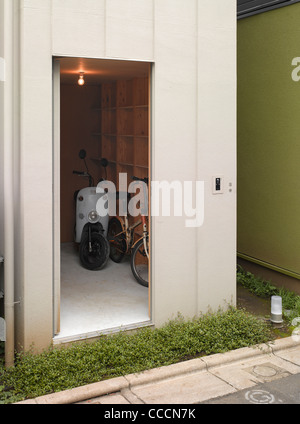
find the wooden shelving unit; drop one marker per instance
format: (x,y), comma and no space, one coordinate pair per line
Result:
(124,135)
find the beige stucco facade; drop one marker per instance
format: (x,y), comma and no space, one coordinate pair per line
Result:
(192,46)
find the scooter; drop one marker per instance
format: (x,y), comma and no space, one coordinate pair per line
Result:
(90,228)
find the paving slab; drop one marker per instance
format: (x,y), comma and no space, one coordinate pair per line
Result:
(131,397)
(165,372)
(187,389)
(292,354)
(114,399)
(251,371)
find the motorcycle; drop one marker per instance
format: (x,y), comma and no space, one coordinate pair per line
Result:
(90,228)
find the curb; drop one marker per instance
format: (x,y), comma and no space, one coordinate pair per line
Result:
(205,363)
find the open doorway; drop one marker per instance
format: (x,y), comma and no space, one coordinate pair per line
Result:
(108,118)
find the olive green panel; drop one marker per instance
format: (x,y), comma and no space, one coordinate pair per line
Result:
(269,138)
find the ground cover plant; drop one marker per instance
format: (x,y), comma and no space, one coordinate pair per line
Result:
(120,354)
(265,289)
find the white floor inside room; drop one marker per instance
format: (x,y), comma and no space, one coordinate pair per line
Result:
(96,301)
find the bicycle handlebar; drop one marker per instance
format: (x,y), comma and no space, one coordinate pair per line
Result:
(145,180)
(82,173)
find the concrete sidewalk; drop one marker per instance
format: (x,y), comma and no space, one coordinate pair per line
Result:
(191,382)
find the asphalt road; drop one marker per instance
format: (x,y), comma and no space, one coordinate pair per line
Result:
(286,390)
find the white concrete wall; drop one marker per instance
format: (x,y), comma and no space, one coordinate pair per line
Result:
(35,257)
(217,151)
(174,154)
(192,46)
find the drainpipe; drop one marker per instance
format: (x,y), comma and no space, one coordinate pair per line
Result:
(8,182)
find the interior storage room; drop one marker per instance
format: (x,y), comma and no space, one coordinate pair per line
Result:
(107,117)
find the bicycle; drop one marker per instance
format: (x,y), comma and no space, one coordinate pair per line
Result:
(121,237)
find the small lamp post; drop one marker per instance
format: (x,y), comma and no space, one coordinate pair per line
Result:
(276,310)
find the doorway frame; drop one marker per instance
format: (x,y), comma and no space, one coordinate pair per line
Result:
(56,196)
(56,96)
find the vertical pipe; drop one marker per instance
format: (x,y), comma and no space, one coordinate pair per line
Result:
(8,183)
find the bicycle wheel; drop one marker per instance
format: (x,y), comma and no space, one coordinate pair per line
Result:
(118,245)
(140,263)
(98,256)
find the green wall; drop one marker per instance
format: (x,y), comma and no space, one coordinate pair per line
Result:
(269,139)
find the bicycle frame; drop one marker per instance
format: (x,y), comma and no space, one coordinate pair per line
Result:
(144,236)
(127,230)
(123,232)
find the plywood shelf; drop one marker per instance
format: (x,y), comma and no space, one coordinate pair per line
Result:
(142,166)
(124,131)
(97,109)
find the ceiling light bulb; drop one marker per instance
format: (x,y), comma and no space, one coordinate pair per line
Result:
(81,79)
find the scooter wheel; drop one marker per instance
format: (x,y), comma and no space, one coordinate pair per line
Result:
(96,257)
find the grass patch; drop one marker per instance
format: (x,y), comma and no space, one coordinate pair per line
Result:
(111,356)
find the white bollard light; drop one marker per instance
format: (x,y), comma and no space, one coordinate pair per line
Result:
(276,309)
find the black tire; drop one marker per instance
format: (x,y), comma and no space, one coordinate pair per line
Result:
(140,263)
(97,258)
(118,245)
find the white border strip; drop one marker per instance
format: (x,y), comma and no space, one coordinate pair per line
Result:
(2,69)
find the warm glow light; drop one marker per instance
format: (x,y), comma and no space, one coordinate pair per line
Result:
(81,79)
